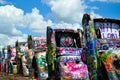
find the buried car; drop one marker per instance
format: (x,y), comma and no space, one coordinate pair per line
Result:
(40,58)
(108,44)
(64,55)
(102,36)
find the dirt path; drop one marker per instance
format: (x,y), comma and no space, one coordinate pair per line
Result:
(5,76)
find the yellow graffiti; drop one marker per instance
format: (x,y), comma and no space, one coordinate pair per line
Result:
(118,55)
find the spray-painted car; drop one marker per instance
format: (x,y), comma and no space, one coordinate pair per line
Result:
(1,61)
(64,55)
(23,52)
(108,45)
(102,39)
(42,70)
(25,65)
(39,46)
(89,42)
(5,69)
(13,61)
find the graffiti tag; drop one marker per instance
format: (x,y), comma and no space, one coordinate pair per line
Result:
(108,30)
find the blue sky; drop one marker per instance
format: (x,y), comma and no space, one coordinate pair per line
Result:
(18,18)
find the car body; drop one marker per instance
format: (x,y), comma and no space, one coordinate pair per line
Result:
(64,55)
(108,46)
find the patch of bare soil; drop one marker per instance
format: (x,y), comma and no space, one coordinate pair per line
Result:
(5,76)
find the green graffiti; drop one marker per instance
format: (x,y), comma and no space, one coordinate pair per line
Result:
(51,55)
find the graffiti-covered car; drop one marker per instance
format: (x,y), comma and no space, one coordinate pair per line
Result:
(108,45)
(42,70)
(5,60)
(64,55)
(39,59)
(1,60)
(13,61)
(25,65)
(23,51)
(39,42)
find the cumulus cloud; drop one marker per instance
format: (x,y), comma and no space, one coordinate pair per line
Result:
(38,24)
(70,11)
(63,25)
(13,39)
(67,10)
(3,39)
(94,15)
(10,18)
(10,40)
(36,21)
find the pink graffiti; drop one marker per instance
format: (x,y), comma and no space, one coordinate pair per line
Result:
(74,67)
(72,51)
(13,52)
(75,70)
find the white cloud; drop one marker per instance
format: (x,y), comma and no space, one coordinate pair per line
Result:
(69,13)
(67,10)
(63,25)
(10,40)
(13,39)
(3,39)
(10,18)
(37,23)
(94,15)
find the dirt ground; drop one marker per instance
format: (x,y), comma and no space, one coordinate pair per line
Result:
(5,76)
